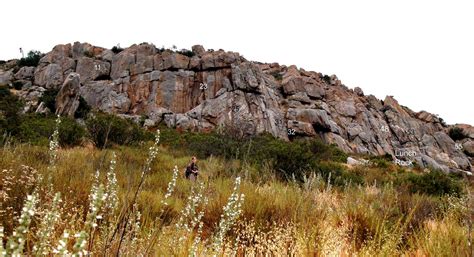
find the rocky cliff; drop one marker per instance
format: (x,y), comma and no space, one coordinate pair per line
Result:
(203,90)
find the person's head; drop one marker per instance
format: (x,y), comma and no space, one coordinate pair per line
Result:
(194,159)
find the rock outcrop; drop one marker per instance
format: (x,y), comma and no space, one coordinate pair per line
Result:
(202,90)
(67,99)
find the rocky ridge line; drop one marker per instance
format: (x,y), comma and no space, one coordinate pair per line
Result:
(204,90)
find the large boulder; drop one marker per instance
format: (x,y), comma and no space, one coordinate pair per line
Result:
(91,69)
(31,97)
(468,129)
(121,65)
(54,67)
(25,73)
(198,50)
(468,147)
(6,77)
(427,117)
(67,99)
(105,96)
(247,77)
(170,60)
(50,76)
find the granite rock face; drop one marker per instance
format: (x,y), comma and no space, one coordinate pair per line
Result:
(203,90)
(67,99)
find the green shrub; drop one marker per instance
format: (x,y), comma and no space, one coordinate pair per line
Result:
(117,49)
(383,161)
(107,129)
(432,183)
(161,49)
(277,75)
(186,52)
(10,107)
(326,79)
(49,99)
(327,152)
(337,175)
(89,54)
(32,59)
(457,133)
(37,129)
(83,109)
(289,159)
(70,132)
(443,123)
(17,85)
(202,145)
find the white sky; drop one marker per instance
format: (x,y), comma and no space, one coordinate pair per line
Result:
(422,52)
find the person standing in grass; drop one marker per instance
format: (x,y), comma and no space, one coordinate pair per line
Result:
(192,170)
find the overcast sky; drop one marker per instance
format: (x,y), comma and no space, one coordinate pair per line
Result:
(421,52)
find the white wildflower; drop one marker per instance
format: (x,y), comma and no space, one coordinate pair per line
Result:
(153,151)
(97,198)
(79,248)
(111,188)
(189,217)
(54,145)
(46,227)
(135,229)
(17,241)
(61,248)
(3,252)
(197,240)
(171,186)
(231,212)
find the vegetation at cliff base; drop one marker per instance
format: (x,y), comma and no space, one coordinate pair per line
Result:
(134,200)
(102,185)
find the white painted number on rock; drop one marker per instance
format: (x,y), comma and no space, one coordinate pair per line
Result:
(384,129)
(291,132)
(203,86)
(458,146)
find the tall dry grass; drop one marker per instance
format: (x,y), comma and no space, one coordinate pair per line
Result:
(133,202)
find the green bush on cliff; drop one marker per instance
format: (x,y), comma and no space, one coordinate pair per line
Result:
(49,99)
(457,133)
(32,59)
(186,52)
(116,49)
(83,109)
(277,75)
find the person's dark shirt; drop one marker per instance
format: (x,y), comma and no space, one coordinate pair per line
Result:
(192,168)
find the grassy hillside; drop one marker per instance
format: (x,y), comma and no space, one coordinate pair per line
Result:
(132,200)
